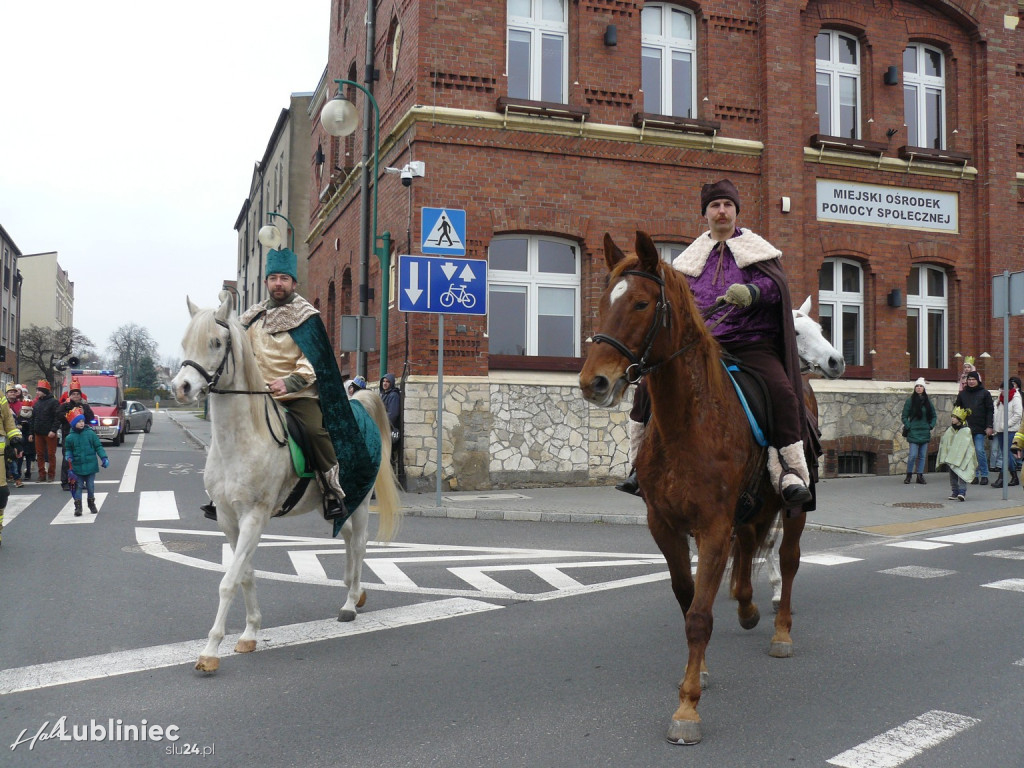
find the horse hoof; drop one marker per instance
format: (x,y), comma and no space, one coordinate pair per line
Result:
(362,599)
(780,650)
(684,732)
(245,646)
(345,615)
(750,621)
(208,664)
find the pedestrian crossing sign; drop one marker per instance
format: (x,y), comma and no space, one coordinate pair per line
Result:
(443,231)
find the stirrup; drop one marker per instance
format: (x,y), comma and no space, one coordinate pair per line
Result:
(334,508)
(630,485)
(209,511)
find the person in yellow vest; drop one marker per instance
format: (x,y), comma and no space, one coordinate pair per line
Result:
(11,440)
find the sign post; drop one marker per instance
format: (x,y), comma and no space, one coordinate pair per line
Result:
(440,284)
(1007,299)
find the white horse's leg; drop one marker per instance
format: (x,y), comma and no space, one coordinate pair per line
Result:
(354,534)
(246,534)
(771,558)
(253,618)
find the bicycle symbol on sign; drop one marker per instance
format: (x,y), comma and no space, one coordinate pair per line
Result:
(459,294)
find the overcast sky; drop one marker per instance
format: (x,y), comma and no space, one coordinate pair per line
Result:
(128,135)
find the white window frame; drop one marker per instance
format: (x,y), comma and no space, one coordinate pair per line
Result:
(669,251)
(532,279)
(923,84)
(835,71)
(538,28)
(923,304)
(667,45)
(835,301)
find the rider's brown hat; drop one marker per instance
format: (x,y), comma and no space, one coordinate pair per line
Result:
(720,189)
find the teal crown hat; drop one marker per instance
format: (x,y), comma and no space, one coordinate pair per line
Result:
(282,262)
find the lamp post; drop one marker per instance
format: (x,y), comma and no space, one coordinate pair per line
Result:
(340,118)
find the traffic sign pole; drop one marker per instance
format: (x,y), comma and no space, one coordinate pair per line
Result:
(440,400)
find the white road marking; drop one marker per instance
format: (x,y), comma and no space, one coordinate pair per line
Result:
(828,559)
(16,505)
(66,516)
(917,544)
(131,469)
(1005,554)
(895,747)
(1013,585)
(986,534)
(918,572)
(158,656)
(157,505)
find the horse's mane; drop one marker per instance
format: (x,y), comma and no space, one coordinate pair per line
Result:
(204,326)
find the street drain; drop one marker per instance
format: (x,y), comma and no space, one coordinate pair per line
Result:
(917,505)
(157,547)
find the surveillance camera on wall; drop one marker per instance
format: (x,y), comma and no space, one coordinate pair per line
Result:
(407,175)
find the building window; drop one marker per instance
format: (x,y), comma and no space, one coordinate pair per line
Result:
(533,297)
(853,463)
(927,313)
(924,96)
(837,80)
(669,251)
(841,307)
(538,55)
(668,52)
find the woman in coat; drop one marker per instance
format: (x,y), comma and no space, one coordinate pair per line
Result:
(918,421)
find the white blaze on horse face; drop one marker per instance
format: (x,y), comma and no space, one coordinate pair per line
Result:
(620,288)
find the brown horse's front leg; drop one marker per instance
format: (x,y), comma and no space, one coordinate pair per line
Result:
(712,555)
(789,562)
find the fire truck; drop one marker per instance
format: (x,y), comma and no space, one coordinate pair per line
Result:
(105,395)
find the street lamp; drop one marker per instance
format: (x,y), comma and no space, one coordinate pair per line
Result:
(270,236)
(340,118)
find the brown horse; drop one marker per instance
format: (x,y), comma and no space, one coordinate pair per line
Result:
(697,453)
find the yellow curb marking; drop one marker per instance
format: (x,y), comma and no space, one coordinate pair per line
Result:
(932,523)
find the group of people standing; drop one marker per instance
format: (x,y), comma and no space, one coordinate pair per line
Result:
(978,424)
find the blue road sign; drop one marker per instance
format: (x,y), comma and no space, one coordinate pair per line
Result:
(443,231)
(442,284)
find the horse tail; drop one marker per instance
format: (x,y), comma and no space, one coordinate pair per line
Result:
(389,503)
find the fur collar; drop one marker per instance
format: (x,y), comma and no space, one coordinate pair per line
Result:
(747,249)
(283,318)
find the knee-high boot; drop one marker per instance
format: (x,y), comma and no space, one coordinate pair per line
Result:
(787,468)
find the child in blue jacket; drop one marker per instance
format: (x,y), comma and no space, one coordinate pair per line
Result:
(81,447)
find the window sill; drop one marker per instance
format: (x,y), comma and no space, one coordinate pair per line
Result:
(860,146)
(858,372)
(644,120)
(946,156)
(533,363)
(550,109)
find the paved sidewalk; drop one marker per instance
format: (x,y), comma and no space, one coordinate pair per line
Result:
(881,506)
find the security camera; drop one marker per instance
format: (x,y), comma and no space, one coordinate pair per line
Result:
(407,175)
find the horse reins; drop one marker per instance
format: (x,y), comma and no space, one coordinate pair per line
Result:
(639,366)
(211,386)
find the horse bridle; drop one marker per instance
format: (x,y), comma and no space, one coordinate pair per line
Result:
(639,365)
(211,384)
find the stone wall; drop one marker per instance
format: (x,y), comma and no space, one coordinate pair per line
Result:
(534,429)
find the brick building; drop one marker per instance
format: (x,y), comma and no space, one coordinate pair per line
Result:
(879,145)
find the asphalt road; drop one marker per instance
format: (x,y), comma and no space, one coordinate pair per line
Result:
(485,643)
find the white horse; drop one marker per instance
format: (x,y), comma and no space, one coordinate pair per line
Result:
(817,356)
(249,471)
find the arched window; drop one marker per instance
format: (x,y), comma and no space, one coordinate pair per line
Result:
(837,81)
(538,50)
(841,307)
(669,251)
(927,316)
(533,304)
(668,60)
(924,96)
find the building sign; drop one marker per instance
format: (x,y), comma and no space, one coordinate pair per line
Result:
(878,206)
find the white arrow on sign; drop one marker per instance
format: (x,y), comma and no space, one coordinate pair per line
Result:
(414,292)
(449,269)
(467,274)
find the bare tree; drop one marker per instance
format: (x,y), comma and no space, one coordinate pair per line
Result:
(129,344)
(45,348)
